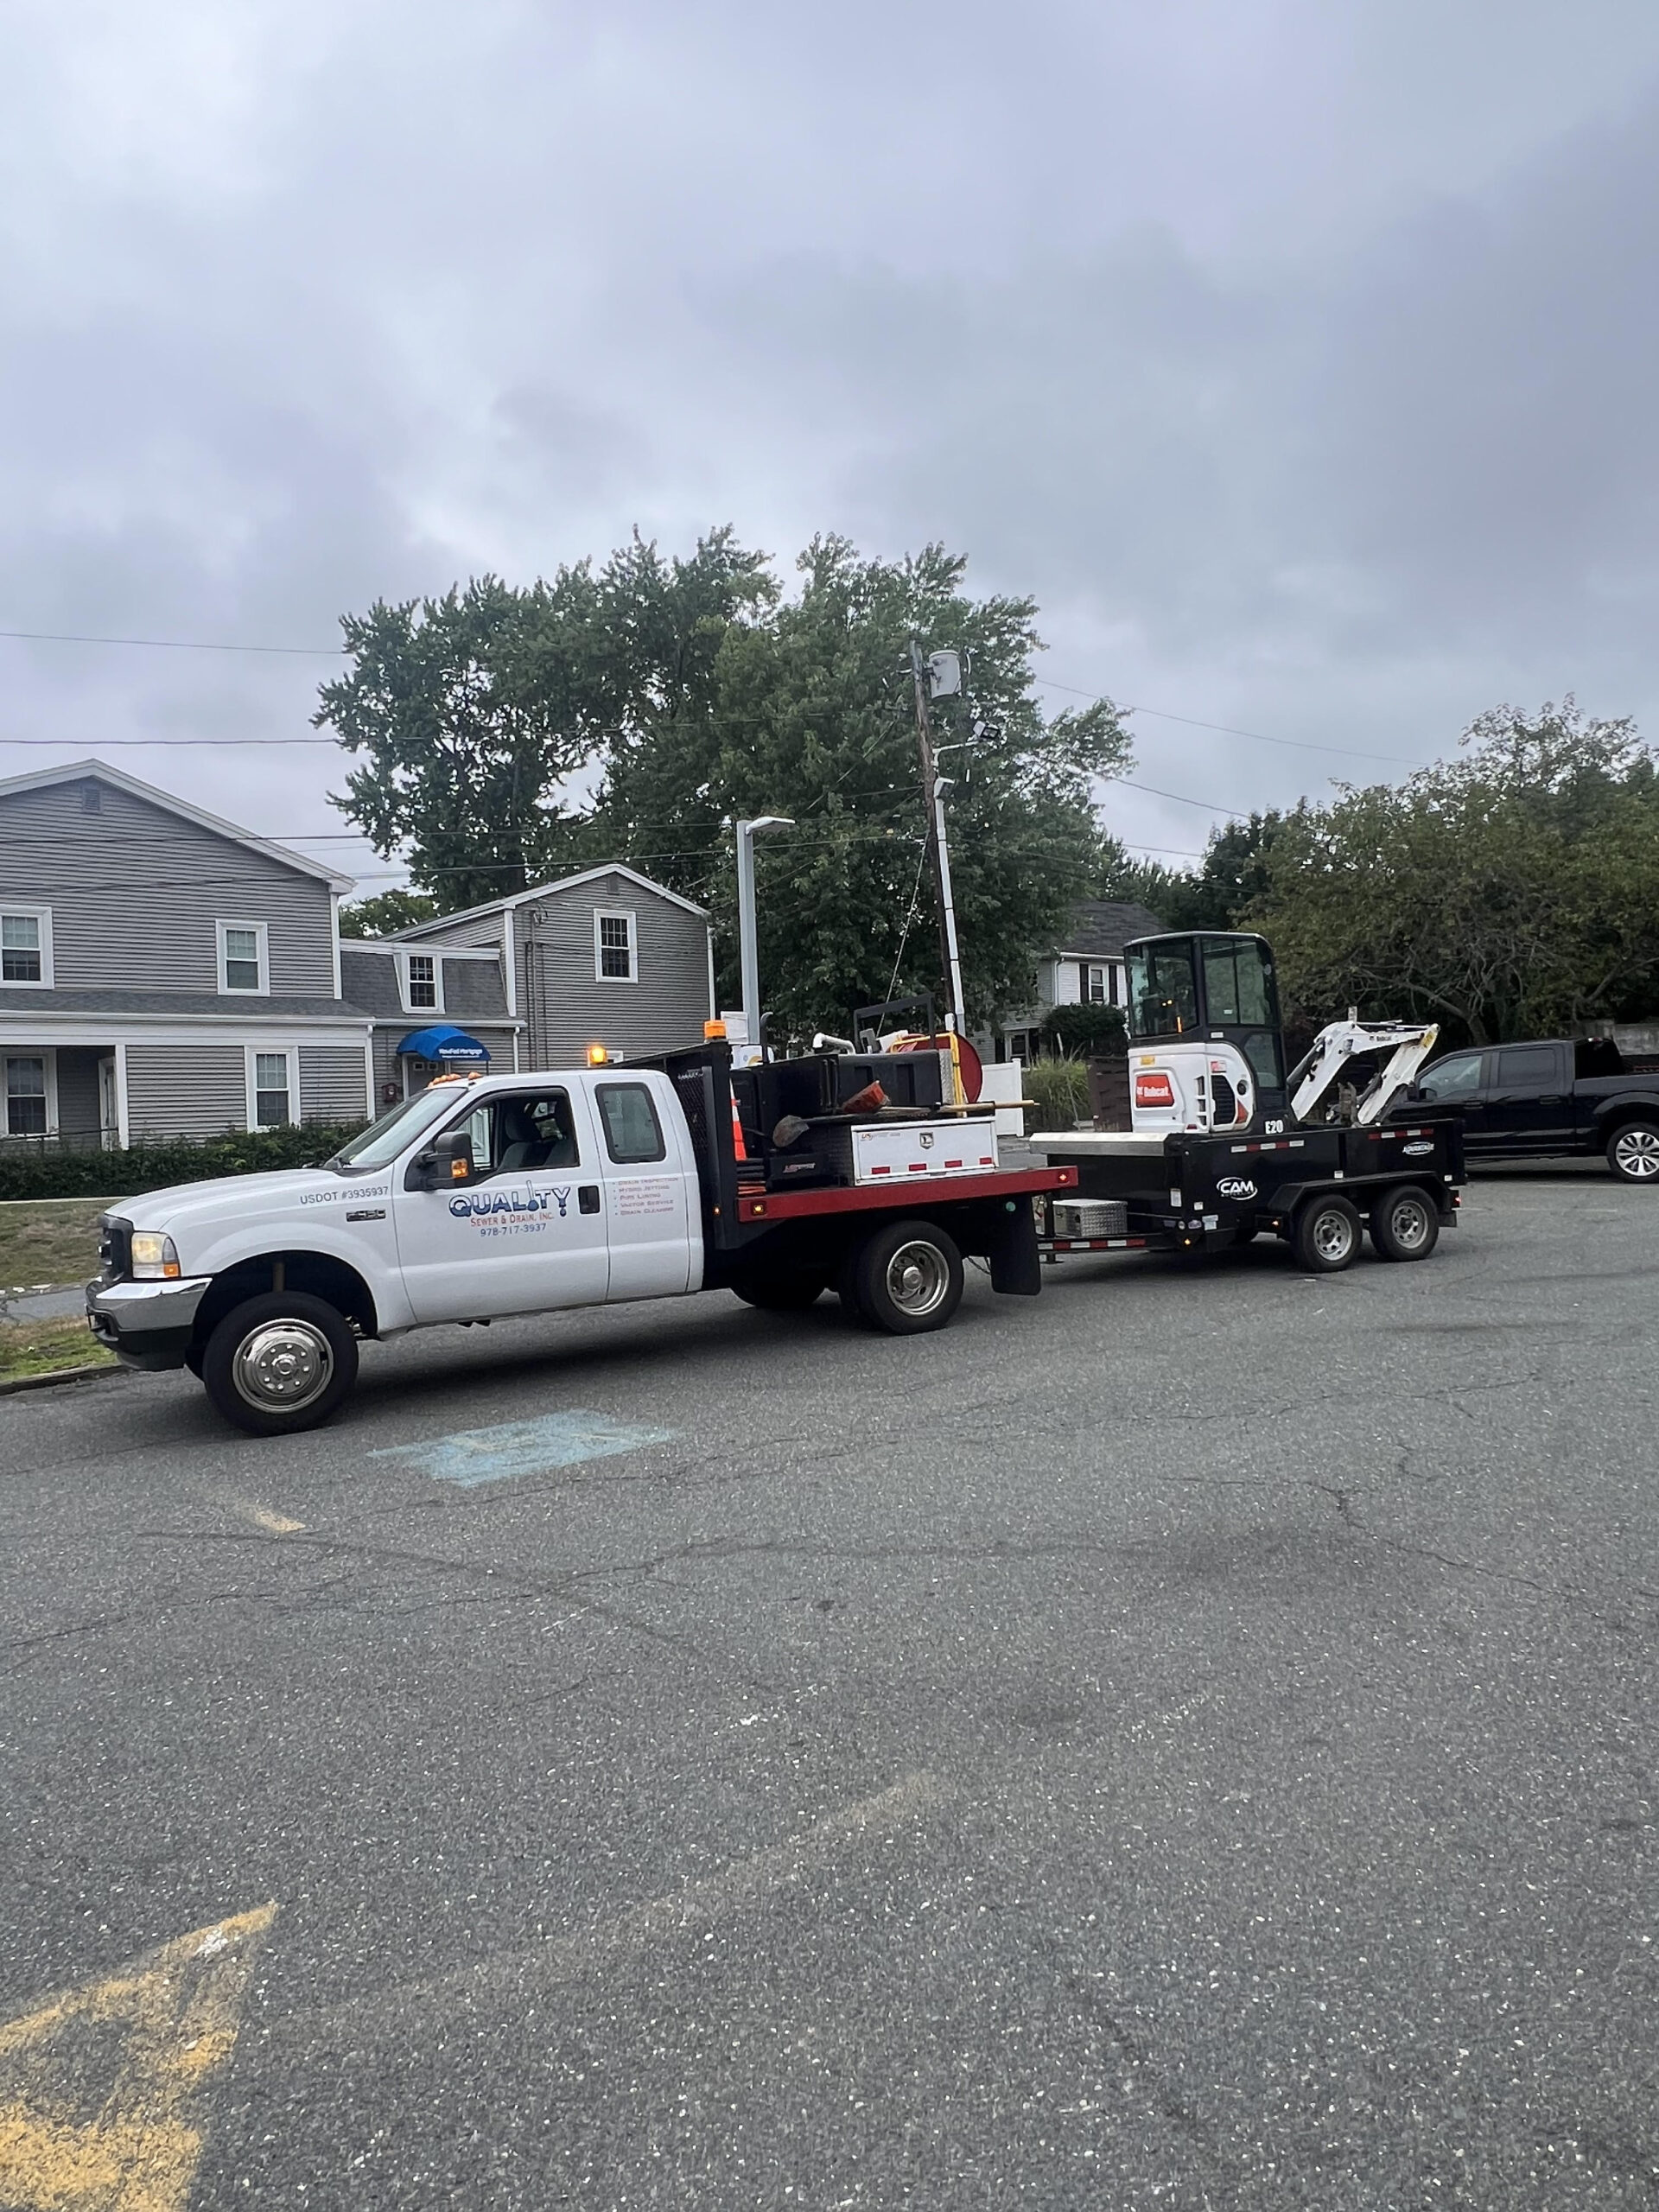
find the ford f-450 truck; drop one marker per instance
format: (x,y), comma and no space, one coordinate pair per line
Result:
(525,1194)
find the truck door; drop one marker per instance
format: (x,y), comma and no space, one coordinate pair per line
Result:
(1455,1081)
(528,1233)
(1529,1098)
(651,1189)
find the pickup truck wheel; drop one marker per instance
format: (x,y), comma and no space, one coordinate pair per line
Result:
(1633,1153)
(1404,1224)
(781,1293)
(907,1278)
(280,1363)
(1327,1236)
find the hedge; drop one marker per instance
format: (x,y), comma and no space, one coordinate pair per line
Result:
(28,1173)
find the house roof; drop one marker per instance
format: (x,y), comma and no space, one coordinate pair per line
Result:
(1100,928)
(544,890)
(80,771)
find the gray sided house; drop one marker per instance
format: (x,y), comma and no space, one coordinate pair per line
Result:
(164,974)
(1086,968)
(606,957)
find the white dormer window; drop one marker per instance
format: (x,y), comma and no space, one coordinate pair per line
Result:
(244,958)
(616,947)
(421,977)
(25,947)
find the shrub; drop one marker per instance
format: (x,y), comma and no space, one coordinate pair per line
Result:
(1059,1093)
(1082,1029)
(29,1172)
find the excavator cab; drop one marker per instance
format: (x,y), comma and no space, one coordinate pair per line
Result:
(1205,1047)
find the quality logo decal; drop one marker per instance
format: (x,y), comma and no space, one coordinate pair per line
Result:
(484,1204)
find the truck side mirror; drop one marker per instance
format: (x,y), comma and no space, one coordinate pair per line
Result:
(446,1163)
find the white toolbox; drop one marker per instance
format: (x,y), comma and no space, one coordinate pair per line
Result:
(923,1152)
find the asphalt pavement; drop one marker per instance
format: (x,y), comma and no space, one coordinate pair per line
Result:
(1187,1740)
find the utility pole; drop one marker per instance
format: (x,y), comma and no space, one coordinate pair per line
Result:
(933,799)
(748,947)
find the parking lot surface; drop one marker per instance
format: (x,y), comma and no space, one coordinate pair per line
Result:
(1187,1740)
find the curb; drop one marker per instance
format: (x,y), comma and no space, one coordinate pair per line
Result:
(57,1374)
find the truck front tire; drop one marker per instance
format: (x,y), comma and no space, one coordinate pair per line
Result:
(280,1363)
(1327,1236)
(1633,1152)
(906,1278)
(1404,1223)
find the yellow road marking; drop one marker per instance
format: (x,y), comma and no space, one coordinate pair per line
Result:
(101,2088)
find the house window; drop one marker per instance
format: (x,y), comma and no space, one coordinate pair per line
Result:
(26,1096)
(26,946)
(242,956)
(615,950)
(421,981)
(272,1091)
(1094,985)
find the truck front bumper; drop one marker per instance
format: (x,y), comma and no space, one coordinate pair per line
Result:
(146,1324)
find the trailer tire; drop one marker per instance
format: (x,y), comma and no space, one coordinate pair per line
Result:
(1404,1223)
(780,1294)
(1327,1236)
(1633,1152)
(907,1278)
(280,1362)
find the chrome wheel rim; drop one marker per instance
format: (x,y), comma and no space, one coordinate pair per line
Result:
(281,1366)
(1409,1223)
(1637,1152)
(1333,1236)
(918,1279)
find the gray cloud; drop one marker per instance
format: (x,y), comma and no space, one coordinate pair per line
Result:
(1295,355)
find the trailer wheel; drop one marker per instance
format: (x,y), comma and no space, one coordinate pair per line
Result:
(907,1278)
(1327,1236)
(280,1363)
(1633,1153)
(1404,1224)
(781,1293)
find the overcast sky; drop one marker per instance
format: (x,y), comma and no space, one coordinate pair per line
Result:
(1297,355)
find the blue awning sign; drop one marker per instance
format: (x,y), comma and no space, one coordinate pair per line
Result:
(444,1042)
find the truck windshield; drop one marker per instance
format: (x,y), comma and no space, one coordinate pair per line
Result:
(383,1139)
(1163,994)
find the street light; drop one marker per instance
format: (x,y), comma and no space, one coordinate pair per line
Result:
(748,958)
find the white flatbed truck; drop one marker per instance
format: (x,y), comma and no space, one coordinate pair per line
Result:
(511,1195)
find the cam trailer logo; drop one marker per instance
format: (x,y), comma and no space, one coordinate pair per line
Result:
(484,1204)
(1236,1186)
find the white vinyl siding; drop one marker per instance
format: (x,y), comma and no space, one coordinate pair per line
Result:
(25,946)
(616,949)
(244,958)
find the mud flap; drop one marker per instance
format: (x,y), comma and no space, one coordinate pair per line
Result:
(1011,1248)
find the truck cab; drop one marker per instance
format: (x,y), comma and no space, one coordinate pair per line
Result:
(1553,1097)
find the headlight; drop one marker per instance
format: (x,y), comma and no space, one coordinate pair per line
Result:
(153,1256)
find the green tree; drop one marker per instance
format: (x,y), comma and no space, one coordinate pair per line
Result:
(1514,892)
(814,719)
(481,713)
(1078,1031)
(386,913)
(1232,876)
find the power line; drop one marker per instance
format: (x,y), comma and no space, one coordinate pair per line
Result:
(170,644)
(1226,729)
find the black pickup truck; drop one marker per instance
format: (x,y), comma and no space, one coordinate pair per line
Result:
(1529,1102)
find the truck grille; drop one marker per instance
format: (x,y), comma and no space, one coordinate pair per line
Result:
(114,1247)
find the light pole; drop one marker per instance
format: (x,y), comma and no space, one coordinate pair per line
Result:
(748,958)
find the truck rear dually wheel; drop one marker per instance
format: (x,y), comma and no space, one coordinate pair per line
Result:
(1327,1236)
(1404,1223)
(280,1363)
(1633,1153)
(907,1278)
